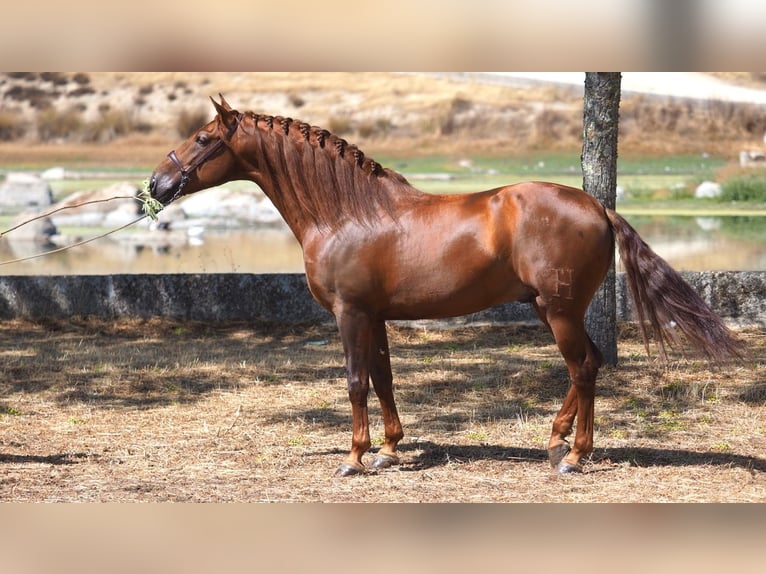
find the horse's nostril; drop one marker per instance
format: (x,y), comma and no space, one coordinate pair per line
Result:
(153,184)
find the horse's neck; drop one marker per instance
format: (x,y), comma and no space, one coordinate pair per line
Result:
(310,196)
(254,162)
(298,223)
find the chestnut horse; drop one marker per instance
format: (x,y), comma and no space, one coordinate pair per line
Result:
(375,249)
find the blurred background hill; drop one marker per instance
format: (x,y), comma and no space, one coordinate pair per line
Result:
(130,119)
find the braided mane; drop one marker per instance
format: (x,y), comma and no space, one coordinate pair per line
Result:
(321,175)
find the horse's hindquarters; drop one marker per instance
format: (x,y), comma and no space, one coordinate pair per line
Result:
(563,245)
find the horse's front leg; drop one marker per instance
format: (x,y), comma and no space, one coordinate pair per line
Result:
(382,380)
(356,335)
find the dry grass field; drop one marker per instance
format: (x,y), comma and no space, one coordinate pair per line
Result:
(123,411)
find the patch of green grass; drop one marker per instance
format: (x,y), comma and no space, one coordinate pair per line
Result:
(682,208)
(524,405)
(477,435)
(668,421)
(700,166)
(749,187)
(695,390)
(637,407)
(644,179)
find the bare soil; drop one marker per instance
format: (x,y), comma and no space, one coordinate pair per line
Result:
(159,410)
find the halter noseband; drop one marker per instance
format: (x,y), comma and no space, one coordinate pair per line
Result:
(206,155)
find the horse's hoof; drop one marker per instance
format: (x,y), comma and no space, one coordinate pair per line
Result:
(348,469)
(385,461)
(557,453)
(568,468)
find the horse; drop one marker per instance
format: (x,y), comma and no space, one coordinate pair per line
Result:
(377,249)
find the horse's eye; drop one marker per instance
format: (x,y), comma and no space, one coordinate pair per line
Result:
(203,138)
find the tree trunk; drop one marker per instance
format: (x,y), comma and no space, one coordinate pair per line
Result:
(601,111)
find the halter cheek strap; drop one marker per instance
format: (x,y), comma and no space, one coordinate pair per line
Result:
(184,175)
(174,158)
(206,155)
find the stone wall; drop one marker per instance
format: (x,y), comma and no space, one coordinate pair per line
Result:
(739,297)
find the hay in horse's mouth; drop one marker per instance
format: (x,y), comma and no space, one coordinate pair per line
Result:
(149,205)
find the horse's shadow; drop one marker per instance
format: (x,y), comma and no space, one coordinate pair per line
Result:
(429,455)
(54,459)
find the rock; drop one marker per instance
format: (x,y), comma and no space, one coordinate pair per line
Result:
(24,190)
(708,189)
(38,231)
(221,203)
(751,158)
(54,173)
(119,210)
(709,223)
(171,215)
(123,214)
(116,206)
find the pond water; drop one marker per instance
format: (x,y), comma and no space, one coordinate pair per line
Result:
(731,243)
(687,243)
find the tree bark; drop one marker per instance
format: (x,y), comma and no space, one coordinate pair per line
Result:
(601,110)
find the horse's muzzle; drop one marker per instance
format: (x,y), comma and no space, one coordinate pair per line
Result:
(153,186)
(156,190)
(163,187)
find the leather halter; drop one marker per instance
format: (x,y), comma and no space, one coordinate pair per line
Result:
(205,156)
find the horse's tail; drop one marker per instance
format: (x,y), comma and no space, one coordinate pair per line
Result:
(668,302)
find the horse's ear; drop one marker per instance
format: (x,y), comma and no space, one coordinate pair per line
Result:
(224,103)
(224,110)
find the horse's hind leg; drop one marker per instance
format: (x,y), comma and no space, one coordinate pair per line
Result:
(382,380)
(558,447)
(583,360)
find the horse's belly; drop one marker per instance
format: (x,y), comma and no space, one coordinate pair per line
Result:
(451,294)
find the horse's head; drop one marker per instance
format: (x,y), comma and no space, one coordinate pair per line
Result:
(204,160)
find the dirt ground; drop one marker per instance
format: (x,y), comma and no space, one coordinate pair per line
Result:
(122,411)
